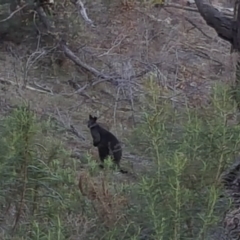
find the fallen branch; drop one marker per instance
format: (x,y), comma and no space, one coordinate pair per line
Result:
(47,23)
(198,28)
(173,5)
(8,82)
(76,87)
(81,64)
(43,88)
(70,128)
(13,13)
(116,43)
(82,10)
(75,132)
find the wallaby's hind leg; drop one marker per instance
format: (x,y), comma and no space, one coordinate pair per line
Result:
(103,153)
(120,169)
(117,155)
(118,166)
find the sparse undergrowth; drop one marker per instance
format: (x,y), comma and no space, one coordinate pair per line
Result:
(177,197)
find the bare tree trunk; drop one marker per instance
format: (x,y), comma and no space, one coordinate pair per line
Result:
(217,20)
(236,48)
(235,16)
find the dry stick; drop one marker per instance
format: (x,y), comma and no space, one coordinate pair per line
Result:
(13,13)
(81,64)
(203,54)
(198,28)
(60,117)
(76,87)
(4,81)
(43,88)
(82,10)
(132,104)
(192,23)
(173,5)
(115,106)
(116,43)
(66,126)
(32,59)
(75,132)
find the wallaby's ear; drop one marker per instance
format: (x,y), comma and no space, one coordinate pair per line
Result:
(92,118)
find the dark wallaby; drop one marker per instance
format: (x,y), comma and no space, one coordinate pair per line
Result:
(106,142)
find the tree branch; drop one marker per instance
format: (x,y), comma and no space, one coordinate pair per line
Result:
(13,13)
(81,64)
(82,10)
(8,82)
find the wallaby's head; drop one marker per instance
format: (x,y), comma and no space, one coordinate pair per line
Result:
(92,122)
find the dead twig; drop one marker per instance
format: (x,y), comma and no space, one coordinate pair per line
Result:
(32,59)
(116,43)
(75,86)
(174,5)
(69,127)
(43,88)
(81,64)
(82,10)
(197,50)
(198,28)
(75,132)
(8,82)
(191,22)
(13,13)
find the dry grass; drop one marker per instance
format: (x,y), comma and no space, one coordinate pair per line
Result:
(107,204)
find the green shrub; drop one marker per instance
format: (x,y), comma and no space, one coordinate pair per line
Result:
(37,185)
(177,198)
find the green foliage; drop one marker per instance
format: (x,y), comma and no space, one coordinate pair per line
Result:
(175,197)
(37,184)
(190,149)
